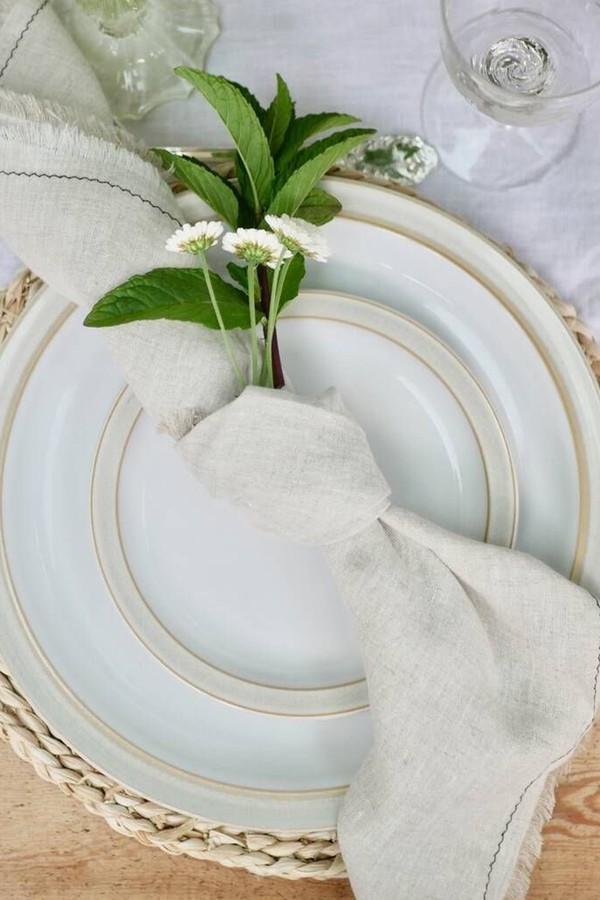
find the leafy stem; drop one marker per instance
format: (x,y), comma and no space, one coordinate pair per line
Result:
(275,357)
(215,305)
(279,277)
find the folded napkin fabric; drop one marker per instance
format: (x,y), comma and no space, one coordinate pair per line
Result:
(482,663)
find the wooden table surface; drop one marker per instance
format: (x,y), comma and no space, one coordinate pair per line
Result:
(50,847)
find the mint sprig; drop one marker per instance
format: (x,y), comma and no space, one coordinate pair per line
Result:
(278,164)
(243,124)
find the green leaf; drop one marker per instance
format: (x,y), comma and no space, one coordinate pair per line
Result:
(247,219)
(239,274)
(279,115)
(214,190)
(179,294)
(312,164)
(305,127)
(293,280)
(354,136)
(251,99)
(319,207)
(243,123)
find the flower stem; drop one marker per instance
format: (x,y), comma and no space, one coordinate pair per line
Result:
(278,281)
(253,335)
(226,341)
(267,373)
(265,295)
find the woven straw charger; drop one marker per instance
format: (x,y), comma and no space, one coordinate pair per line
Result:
(313,855)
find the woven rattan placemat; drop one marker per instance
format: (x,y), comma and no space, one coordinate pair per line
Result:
(314,855)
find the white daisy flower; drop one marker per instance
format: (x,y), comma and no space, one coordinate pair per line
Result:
(299,236)
(195,238)
(261,248)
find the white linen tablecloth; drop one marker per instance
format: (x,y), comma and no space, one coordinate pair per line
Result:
(498,652)
(372,59)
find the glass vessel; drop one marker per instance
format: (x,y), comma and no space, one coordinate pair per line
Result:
(524,71)
(134,45)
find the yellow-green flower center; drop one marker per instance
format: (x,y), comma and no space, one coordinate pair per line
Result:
(198,245)
(254,253)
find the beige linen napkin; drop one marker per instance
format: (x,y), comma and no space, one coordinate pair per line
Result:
(482,663)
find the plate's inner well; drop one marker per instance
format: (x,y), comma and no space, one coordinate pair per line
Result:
(255,620)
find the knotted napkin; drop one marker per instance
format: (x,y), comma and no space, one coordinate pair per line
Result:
(482,663)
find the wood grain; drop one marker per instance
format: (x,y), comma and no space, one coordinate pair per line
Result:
(50,848)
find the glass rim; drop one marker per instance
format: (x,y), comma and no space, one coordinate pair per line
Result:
(500,91)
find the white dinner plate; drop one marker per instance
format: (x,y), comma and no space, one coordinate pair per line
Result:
(110,688)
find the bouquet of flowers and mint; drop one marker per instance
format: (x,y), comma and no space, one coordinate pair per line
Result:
(273,206)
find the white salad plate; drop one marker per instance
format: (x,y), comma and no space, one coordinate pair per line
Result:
(437,440)
(210,667)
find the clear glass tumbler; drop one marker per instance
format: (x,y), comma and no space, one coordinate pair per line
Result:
(526,69)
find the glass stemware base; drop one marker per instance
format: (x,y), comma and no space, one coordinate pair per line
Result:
(482,151)
(134,45)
